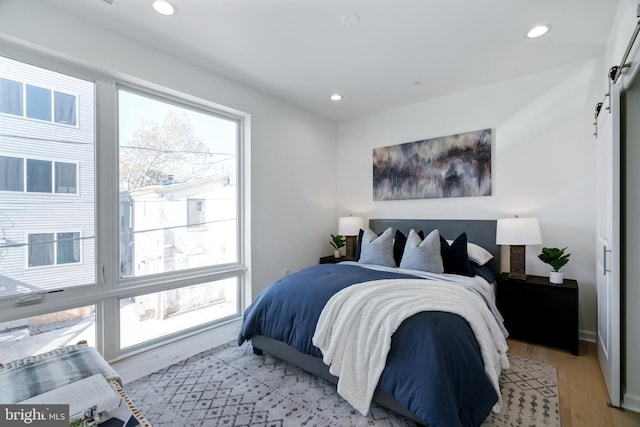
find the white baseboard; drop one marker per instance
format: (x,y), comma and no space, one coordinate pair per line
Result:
(631,402)
(145,363)
(587,336)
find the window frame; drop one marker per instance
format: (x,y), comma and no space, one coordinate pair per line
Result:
(108,288)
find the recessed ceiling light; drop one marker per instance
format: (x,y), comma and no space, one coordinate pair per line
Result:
(350,19)
(538,31)
(164,7)
(336,97)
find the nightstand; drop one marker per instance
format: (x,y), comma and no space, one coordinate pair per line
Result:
(538,311)
(333,260)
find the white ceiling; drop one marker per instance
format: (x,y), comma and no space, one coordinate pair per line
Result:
(299,51)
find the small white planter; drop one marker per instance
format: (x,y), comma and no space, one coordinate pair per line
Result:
(556,277)
(336,253)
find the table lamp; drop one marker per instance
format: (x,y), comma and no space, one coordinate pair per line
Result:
(349,226)
(517,233)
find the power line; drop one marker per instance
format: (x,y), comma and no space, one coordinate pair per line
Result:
(33,138)
(193,225)
(21,245)
(160,150)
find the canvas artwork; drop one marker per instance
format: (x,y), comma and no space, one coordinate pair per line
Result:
(448,166)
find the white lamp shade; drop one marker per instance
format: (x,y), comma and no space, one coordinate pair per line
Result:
(518,231)
(349,225)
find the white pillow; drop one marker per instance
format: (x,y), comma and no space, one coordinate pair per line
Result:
(476,253)
(423,254)
(376,249)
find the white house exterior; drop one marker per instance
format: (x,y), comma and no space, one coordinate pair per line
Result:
(176,226)
(47,179)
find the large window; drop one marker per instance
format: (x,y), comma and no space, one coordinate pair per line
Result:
(148,243)
(174,161)
(151,316)
(47,222)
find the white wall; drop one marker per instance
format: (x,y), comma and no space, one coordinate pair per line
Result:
(542,166)
(292,153)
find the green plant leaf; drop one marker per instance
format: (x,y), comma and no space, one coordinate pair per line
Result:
(337,241)
(555,257)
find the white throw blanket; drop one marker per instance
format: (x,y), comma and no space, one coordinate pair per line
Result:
(355,328)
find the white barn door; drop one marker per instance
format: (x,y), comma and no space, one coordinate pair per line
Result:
(608,244)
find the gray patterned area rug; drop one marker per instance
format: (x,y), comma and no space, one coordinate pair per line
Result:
(230,386)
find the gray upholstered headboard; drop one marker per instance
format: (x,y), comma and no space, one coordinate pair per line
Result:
(479,231)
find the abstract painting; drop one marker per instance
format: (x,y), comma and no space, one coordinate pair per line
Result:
(448,166)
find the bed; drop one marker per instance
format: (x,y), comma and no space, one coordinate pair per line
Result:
(433,357)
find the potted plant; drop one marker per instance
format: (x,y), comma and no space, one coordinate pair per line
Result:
(556,258)
(337,241)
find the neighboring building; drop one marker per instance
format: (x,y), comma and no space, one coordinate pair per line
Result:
(175,226)
(47,179)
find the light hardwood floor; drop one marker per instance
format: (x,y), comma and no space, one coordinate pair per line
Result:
(583,395)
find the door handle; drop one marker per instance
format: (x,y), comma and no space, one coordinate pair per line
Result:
(605,270)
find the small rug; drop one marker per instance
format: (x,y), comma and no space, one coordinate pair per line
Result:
(230,386)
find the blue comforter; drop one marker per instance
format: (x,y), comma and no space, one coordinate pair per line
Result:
(434,367)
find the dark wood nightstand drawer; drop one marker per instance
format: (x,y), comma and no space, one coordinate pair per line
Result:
(333,260)
(538,311)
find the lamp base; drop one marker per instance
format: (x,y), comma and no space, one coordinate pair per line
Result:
(350,251)
(517,260)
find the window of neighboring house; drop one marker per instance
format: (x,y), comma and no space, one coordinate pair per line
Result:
(11,174)
(67,248)
(53,248)
(64,108)
(38,101)
(38,176)
(195,213)
(66,177)
(10,97)
(41,249)
(41,103)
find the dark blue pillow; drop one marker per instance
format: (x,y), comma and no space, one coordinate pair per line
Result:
(356,255)
(482,271)
(454,256)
